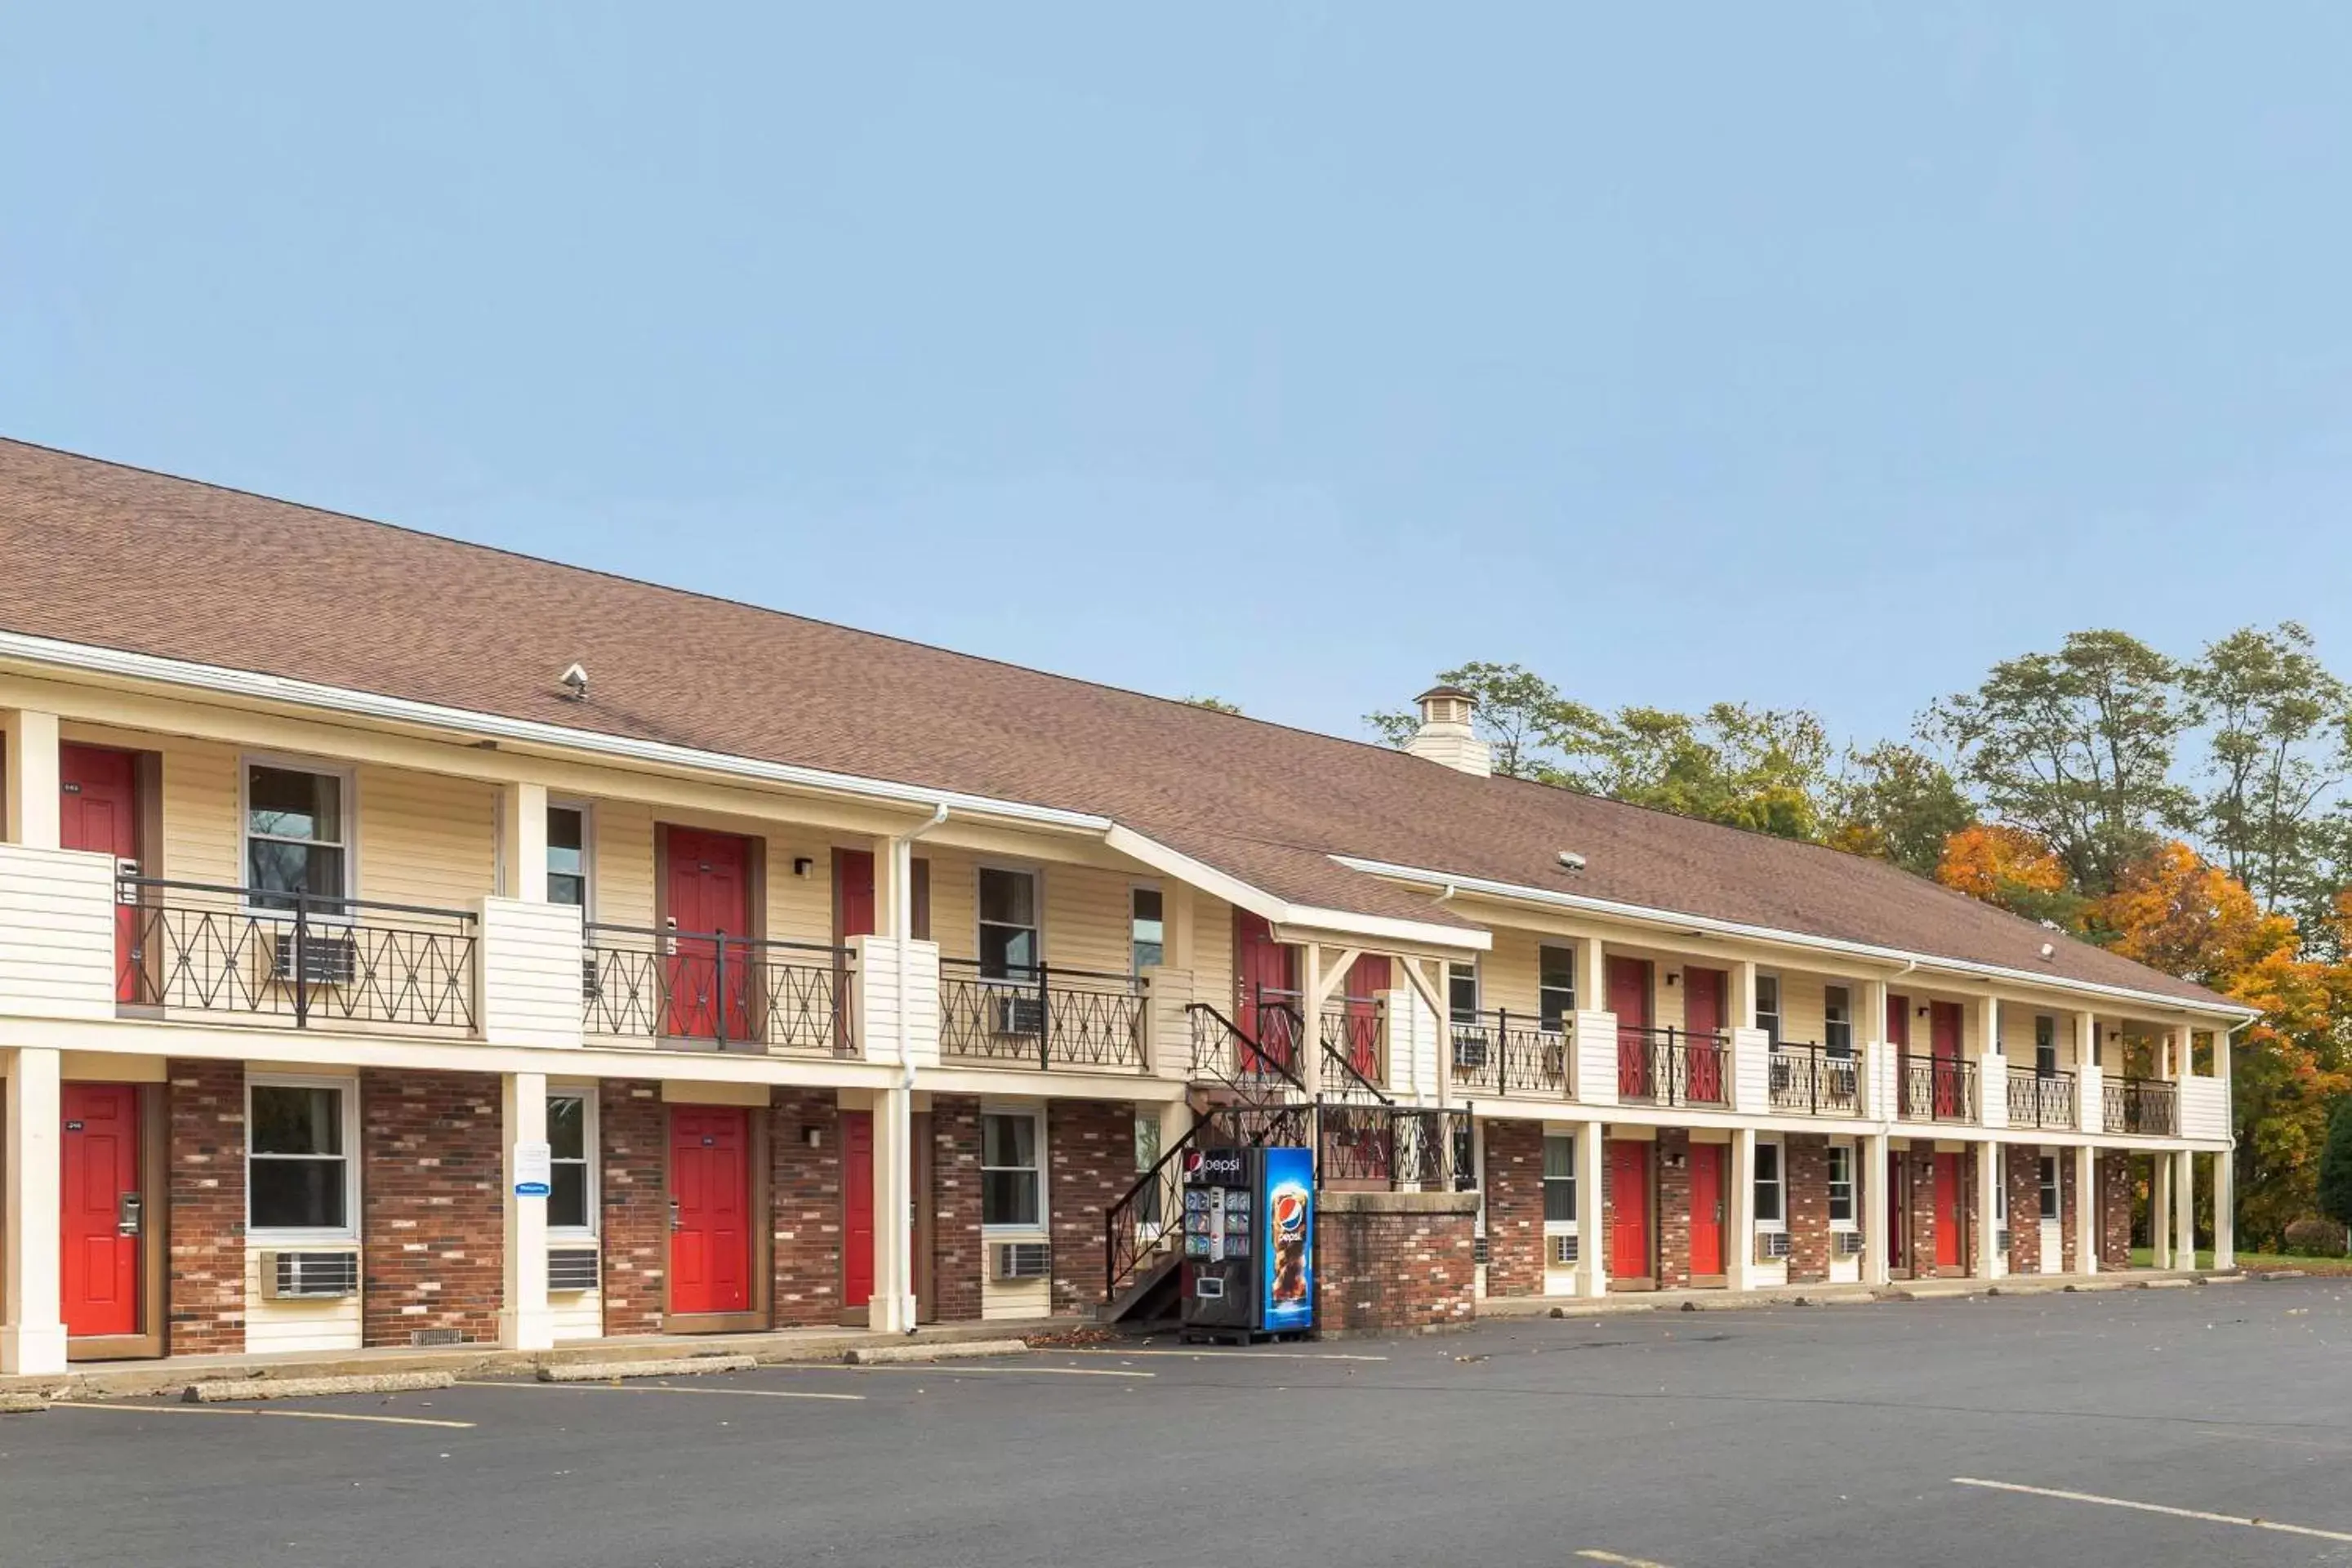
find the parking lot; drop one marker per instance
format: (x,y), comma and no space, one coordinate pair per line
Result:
(1848,1434)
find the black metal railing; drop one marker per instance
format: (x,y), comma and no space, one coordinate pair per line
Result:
(708,990)
(1503,1052)
(1354,1028)
(1044,1015)
(1669,1066)
(1391,1145)
(1937,1088)
(2144,1105)
(319,961)
(1224,1052)
(2038,1099)
(1815,1079)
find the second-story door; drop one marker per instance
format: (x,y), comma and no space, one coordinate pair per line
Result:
(1628,998)
(1704,1015)
(1367,978)
(710,893)
(1943,1040)
(852,894)
(98,810)
(1262,966)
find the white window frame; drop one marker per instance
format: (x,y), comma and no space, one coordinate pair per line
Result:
(1853,1220)
(1561,1226)
(1477,991)
(2001,1192)
(2045,1065)
(1133,889)
(1770,980)
(2053,1190)
(1037,928)
(591,1144)
(349,843)
(588,879)
(1036,1115)
(284,1235)
(1830,1048)
(1575,994)
(1780,1185)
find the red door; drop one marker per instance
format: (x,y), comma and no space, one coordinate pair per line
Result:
(98,1263)
(99,811)
(1262,964)
(1628,998)
(1707,1208)
(856,1207)
(1943,1040)
(853,893)
(1951,1214)
(1629,1204)
(1704,1015)
(709,895)
(1367,978)
(710,1205)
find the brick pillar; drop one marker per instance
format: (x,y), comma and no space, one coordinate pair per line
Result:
(1923,1212)
(2067,1199)
(1391,1262)
(804,1190)
(433,1225)
(1674,1208)
(1090,1165)
(2115,1214)
(1805,1158)
(634,1207)
(956,1252)
(1515,1208)
(2022,1170)
(205,1195)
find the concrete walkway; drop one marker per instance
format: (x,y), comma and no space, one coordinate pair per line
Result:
(1720,1301)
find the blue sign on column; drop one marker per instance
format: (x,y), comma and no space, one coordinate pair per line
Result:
(1288,1272)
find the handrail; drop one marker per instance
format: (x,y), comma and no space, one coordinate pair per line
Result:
(1246,1037)
(1347,1066)
(595,929)
(299,898)
(1029,971)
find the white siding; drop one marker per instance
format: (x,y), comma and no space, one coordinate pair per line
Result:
(530,972)
(56,934)
(330,1325)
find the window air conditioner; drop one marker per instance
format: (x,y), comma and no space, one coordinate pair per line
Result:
(1563,1250)
(1022,1260)
(1848,1243)
(309,1276)
(1771,1246)
(1018,1014)
(571,1270)
(329,960)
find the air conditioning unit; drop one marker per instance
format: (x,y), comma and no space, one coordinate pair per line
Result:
(571,1270)
(1469,1053)
(2000,1240)
(591,982)
(1848,1242)
(329,960)
(1478,1249)
(309,1276)
(1022,1260)
(1771,1245)
(1018,1014)
(1562,1250)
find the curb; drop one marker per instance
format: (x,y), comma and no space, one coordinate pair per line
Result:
(22,1404)
(612,1371)
(885,1355)
(226,1390)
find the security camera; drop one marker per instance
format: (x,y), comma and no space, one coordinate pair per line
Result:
(1571,859)
(575,682)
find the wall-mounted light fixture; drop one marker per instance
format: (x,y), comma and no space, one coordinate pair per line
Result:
(813,1136)
(803,866)
(1923,1009)
(1673,975)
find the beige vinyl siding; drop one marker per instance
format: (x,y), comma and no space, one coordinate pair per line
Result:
(1510,976)
(201,831)
(800,909)
(1804,1001)
(1087,917)
(329,1325)
(577,1315)
(621,878)
(1002,1298)
(1212,950)
(425,839)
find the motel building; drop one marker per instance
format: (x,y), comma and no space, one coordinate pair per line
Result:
(848,981)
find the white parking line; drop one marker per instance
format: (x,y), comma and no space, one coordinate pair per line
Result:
(1254,1355)
(2199,1514)
(1600,1556)
(659,1388)
(235,1410)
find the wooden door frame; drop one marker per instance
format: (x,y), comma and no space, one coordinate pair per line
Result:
(1902,1177)
(149,1343)
(762,1237)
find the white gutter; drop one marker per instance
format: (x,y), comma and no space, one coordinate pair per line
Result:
(902,1105)
(1578,901)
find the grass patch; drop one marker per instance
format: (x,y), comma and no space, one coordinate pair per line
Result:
(2142,1257)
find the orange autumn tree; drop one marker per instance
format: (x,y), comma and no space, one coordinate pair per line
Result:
(2010,867)
(2173,912)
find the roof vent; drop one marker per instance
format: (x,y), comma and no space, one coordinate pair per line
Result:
(575,683)
(1446,735)
(1571,861)
(2049,949)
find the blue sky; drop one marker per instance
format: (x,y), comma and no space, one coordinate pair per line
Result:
(1813,355)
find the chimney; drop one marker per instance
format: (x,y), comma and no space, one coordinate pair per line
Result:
(1446,736)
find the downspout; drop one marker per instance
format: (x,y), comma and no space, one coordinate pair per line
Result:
(902,1109)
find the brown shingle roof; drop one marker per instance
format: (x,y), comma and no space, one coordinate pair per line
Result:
(123,557)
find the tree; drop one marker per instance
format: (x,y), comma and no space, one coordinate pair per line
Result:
(2335,1166)
(2076,747)
(2278,745)
(1765,769)
(2173,912)
(1516,709)
(2011,869)
(1896,802)
(1215,705)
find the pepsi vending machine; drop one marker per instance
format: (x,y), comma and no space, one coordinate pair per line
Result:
(1249,1243)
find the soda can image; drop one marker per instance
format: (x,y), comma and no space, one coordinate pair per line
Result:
(1286,1206)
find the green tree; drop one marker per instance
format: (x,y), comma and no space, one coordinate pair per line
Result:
(1516,709)
(1215,705)
(2076,747)
(2335,1166)
(2278,746)
(1898,804)
(1766,769)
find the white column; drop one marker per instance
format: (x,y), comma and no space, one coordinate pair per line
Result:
(2159,1212)
(33,1332)
(1990,1172)
(31,780)
(891,1307)
(1739,1239)
(1592,1228)
(2184,1203)
(524,1322)
(1310,1034)
(1876,1192)
(523,842)
(2086,1218)
(1743,993)
(2225,1205)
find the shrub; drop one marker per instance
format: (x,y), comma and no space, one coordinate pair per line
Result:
(2314,1238)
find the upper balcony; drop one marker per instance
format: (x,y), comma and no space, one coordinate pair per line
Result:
(1040,1016)
(710,991)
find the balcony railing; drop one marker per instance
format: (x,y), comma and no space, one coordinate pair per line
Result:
(2144,1105)
(318,961)
(1668,1067)
(710,991)
(1352,1028)
(1502,1052)
(1040,1016)
(1222,1054)
(2037,1099)
(1815,1079)
(1937,1089)
(1391,1145)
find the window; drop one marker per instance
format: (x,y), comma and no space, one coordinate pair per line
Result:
(1461,992)
(567,855)
(1147,1155)
(1768,1006)
(1010,1180)
(2046,1045)
(1842,1184)
(297,1166)
(571,1182)
(1008,923)
(2000,1200)
(1768,1211)
(293,835)
(2050,1186)
(1559,1179)
(1837,1020)
(1556,986)
(1147,934)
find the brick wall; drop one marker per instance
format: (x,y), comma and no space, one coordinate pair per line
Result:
(1391,1262)
(1922,1211)
(1515,1208)
(2116,1211)
(2067,1211)
(805,1193)
(432,1221)
(205,1195)
(1090,1165)
(1805,1159)
(2023,1164)
(1674,1188)
(634,1206)
(956,1253)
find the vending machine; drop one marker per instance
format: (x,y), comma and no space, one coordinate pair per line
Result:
(1249,1243)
